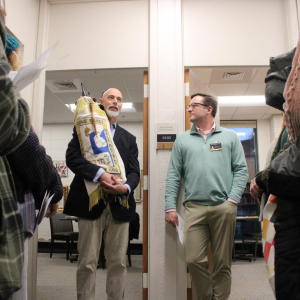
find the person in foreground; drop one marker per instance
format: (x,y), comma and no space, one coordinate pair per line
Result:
(34,174)
(212,163)
(14,129)
(107,216)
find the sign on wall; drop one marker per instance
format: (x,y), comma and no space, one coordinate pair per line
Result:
(166,135)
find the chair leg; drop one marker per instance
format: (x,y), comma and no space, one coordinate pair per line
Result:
(67,248)
(71,249)
(51,248)
(128,253)
(255,250)
(243,246)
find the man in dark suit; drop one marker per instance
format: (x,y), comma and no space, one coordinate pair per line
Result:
(111,218)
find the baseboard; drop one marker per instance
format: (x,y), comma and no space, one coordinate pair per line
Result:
(60,247)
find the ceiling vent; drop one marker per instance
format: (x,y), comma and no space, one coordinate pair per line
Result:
(233,76)
(64,85)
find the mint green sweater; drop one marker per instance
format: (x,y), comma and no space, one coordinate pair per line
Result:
(210,177)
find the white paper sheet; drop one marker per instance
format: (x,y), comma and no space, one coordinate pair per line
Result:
(12,74)
(179,229)
(44,206)
(31,72)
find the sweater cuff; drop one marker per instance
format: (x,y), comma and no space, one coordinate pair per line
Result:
(169,210)
(259,181)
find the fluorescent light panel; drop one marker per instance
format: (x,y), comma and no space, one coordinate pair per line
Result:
(126,107)
(227,101)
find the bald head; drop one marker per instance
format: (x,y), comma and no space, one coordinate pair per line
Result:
(112,102)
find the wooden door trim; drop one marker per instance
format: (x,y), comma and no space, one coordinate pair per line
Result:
(145,190)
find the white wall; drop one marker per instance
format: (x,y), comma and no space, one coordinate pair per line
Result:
(22,20)
(235,32)
(100,34)
(263,141)
(275,126)
(56,138)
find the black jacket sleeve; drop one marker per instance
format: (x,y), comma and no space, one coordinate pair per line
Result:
(133,170)
(32,168)
(77,163)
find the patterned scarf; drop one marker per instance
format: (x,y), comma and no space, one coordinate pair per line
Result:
(269,216)
(97,146)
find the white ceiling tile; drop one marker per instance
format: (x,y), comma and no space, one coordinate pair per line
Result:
(52,99)
(273,111)
(260,75)
(266,117)
(68,98)
(223,118)
(227,111)
(98,73)
(51,75)
(132,72)
(129,117)
(62,117)
(100,84)
(130,83)
(134,82)
(246,117)
(237,89)
(139,106)
(251,110)
(254,71)
(204,74)
(256,89)
(137,96)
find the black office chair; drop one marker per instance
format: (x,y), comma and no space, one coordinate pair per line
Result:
(62,230)
(251,238)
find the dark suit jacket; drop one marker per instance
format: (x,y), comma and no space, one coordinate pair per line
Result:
(77,203)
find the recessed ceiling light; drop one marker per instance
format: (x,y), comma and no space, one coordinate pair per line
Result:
(227,101)
(128,107)
(72,107)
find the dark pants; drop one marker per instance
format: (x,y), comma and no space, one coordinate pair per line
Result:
(287,249)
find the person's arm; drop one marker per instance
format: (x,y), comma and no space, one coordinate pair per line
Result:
(35,168)
(77,163)
(173,184)
(240,170)
(14,112)
(133,170)
(133,173)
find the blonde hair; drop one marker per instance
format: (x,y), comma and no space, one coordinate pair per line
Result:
(14,60)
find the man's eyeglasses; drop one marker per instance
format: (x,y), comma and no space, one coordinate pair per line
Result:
(194,104)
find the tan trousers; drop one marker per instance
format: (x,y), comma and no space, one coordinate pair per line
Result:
(217,225)
(89,243)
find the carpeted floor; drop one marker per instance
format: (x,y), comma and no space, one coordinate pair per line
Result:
(57,279)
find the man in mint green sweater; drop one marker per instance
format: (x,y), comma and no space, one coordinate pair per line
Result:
(212,163)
